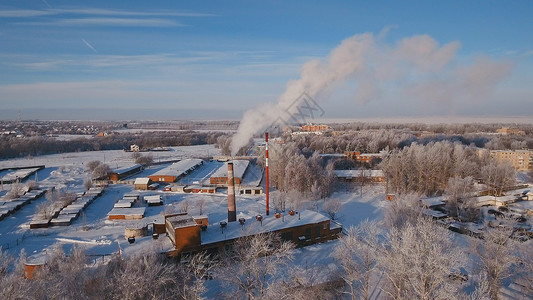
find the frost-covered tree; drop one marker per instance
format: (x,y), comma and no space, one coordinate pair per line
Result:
(332,207)
(16,190)
(87,184)
(200,204)
(184,206)
(417,261)
(93,164)
(498,176)
(101,171)
(357,254)
(496,253)
(32,185)
(402,210)
(254,263)
(459,196)
(144,160)
(425,169)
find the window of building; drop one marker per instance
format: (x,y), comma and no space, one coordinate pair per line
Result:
(317,231)
(287,236)
(308,233)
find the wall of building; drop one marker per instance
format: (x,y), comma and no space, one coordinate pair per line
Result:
(187,238)
(223,180)
(519,159)
(162,178)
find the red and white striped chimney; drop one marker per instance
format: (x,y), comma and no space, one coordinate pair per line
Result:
(266,167)
(232,213)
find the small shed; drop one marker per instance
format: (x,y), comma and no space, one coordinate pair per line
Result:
(200,189)
(529,196)
(142,183)
(136,231)
(153,200)
(39,223)
(135,213)
(118,174)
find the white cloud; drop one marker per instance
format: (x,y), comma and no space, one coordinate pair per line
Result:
(112,12)
(121,22)
(24,13)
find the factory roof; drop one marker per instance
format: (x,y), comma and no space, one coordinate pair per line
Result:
(239,167)
(358,173)
(179,168)
(127,211)
(215,233)
(180,221)
(142,180)
(126,169)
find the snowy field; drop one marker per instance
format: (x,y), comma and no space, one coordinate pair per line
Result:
(114,158)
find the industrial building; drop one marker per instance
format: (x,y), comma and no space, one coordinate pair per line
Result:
(510,131)
(314,127)
(220,177)
(363,157)
(365,176)
(302,228)
(176,170)
(118,174)
(193,234)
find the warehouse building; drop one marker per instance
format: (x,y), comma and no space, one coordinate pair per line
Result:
(176,170)
(220,177)
(189,234)
(122,173)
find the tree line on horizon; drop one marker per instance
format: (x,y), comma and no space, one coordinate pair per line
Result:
(13,147)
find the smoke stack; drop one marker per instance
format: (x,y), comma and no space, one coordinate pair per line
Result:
(266,167)
(232,213)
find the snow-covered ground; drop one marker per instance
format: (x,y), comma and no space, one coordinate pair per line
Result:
(114,158)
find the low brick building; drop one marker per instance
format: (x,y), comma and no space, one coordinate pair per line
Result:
(302,228)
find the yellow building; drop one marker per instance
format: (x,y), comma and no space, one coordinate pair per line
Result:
(510,131)
(519,159)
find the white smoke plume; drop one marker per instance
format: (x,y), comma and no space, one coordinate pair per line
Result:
(416,67)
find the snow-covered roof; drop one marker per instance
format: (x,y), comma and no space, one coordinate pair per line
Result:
(434,213)
(123,204)
(239,167)
(179,168)
(371,154)
(153,199)
(332,155)
(143,180)
(500,200)
(127,211)
(526,205)
(126,169)
(435,201)
(233,230)
(358,173)
(181,221)
(20,173)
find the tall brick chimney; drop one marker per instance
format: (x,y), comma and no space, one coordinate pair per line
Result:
(232,213)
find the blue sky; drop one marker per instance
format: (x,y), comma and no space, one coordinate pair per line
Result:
(217,59)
